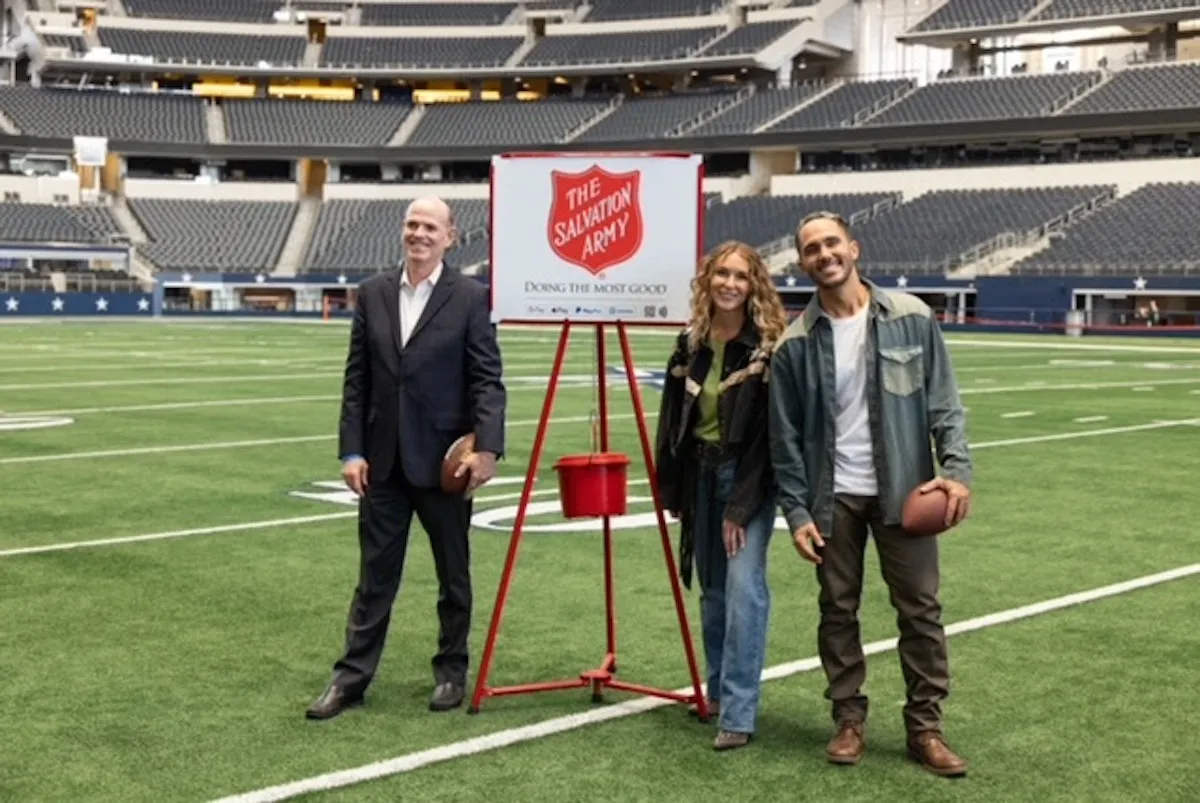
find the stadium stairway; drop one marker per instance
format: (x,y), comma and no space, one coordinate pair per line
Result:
(586,124)
(521,52)
(1065,108)
(214,122)
(408,126)
(304,224)
(834,85)
(128,221)
(312,54)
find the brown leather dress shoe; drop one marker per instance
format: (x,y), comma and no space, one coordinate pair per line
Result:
(848,745)
(929,749)
(333,701)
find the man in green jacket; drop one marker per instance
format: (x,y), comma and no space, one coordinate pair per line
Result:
(861,387)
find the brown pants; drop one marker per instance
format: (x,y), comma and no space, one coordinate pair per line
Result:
(910,569)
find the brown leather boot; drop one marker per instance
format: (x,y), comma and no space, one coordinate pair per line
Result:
(848,745)
(929,749)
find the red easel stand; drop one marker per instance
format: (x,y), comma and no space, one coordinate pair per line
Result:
(603,676)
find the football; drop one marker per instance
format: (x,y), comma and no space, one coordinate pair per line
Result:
(458,450)
(925,513)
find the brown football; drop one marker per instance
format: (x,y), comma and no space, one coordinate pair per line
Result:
(925,513)
(458,450)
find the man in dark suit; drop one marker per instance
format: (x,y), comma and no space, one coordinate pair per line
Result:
(423,369)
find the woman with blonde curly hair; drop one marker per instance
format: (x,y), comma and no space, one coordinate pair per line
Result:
(714,471)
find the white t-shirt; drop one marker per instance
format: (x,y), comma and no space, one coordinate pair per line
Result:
(854,467)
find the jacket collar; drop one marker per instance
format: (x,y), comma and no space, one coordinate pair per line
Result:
(879,301)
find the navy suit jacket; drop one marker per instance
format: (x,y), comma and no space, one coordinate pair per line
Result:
(410,403)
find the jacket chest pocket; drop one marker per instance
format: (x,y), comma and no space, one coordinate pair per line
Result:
(902,370)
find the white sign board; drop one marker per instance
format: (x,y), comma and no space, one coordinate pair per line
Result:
(91,151)
(595,238)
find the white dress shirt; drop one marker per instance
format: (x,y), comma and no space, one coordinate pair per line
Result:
(413,300)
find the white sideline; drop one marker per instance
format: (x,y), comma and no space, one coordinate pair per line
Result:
(540,730)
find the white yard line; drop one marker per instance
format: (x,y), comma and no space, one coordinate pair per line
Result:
(135,365)
(133,539)
(538,380)
(1085,433)
(242,444)
(1019,414)
(1032,386)
(1065,345)
(138,408)
(540,730)
(1091,419)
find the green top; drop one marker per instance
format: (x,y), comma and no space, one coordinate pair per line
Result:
(708,427)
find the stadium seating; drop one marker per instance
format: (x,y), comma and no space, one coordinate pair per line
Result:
(975,14)
(750,38)
(47,223)
(760,219)
(229,236)
(76,44)
(1075,9)
(379,14)
(509,122)
(1172,86)
(1152,230)
(209,48)
(356,236)
(276,121)
(929,233)
(757,110)
(418,52)
(619,48)
(841,106)
(956,100)
(609,10)
(117,115)
(222,10)
(653,117)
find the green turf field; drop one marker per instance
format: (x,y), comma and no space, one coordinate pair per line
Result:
(178,667)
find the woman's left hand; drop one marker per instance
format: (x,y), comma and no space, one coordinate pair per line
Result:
(734,537)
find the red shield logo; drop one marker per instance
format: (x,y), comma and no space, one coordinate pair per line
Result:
(595,217)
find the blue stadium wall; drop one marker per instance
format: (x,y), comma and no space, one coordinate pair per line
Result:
(1029,300)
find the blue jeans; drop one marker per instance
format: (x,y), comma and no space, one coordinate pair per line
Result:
(734,599)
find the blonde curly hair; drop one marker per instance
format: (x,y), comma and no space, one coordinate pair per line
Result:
(763,304)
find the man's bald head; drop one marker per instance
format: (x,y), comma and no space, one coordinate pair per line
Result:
(429,231)
(431,205)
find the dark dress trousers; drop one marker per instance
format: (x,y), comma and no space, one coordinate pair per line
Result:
(402,407)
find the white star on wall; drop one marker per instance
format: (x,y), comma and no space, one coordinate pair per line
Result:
(143,304)
(341,278)
(101,305)
(187,278)
(791,281)
(260,278)
(12,304)
(1139,283)
(56,304)
(902,281)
